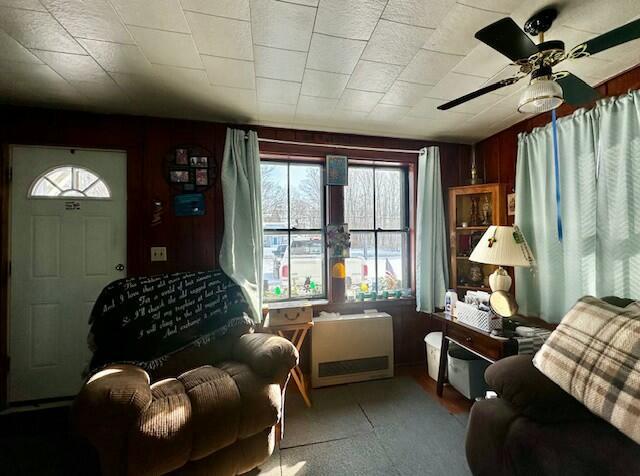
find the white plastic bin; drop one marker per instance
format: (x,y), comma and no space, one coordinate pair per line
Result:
(466,373)
(433,342)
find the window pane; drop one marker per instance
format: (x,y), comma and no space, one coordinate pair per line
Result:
(306,191)
(274,264)
(97,190)
(358,198)
(274,195)
(392,261)
(82,179)
(61,177)
(390,197)
(307,265)
(360,266)
(44,188)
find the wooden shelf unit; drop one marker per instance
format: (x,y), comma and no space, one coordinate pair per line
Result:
(459,211)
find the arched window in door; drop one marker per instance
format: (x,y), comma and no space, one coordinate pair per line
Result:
(69,181)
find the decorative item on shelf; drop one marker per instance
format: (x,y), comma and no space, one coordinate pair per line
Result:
(502,246)
(190,168)
(476,276)
(339,240)
(486,211)
(337,170)
(158,211)
(474,215)
(475,176)
(511,204)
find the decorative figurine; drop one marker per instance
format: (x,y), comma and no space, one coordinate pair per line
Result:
(474,217)
(486,211)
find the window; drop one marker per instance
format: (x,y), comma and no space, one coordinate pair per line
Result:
(69,181)
(376,208)
(292,213)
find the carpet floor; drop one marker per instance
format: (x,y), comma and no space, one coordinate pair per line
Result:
(383,427)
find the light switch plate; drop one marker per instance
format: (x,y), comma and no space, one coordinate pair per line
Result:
(158,253)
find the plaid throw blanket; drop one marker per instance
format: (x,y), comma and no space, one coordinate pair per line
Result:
(594,355)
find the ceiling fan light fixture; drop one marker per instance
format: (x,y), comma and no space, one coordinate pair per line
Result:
(543,94)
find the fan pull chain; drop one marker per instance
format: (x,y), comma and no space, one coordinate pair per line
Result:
(556,164)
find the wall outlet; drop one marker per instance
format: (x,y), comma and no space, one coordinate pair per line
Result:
(158,253)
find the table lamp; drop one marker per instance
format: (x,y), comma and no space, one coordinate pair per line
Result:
(502,246)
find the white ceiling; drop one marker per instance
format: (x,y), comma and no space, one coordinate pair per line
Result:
(365,66)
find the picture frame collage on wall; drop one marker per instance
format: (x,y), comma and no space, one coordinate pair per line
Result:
(190,168)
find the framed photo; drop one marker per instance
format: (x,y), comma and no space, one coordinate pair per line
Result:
(511,204)
(199,162)
(179,176)
(337,170)
(182,156)
(202,177)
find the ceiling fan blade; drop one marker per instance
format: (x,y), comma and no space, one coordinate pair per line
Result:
(487,89)
(575,90)
(508,38)
(618,36)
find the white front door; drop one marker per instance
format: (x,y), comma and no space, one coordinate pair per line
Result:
(68,240)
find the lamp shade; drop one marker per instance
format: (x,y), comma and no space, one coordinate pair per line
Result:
(498,246)
(541,95)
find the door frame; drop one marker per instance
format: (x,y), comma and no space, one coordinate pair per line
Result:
(133,155)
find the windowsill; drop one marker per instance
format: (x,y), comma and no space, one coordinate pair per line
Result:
(324,303)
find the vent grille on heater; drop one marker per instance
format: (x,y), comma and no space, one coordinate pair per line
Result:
(353,366)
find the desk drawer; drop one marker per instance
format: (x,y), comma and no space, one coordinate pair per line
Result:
(476,341)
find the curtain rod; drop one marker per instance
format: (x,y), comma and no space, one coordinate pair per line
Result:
(335,146)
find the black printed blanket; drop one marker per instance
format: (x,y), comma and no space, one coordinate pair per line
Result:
(143,320)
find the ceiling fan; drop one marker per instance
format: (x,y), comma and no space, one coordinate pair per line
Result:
(547,89)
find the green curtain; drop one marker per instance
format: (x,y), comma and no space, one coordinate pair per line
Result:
(432,271)
(242,243)
(599,154)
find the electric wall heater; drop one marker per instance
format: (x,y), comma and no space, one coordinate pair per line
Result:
(351,348)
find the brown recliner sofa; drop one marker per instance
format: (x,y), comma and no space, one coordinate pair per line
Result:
(210,409)
(536,428)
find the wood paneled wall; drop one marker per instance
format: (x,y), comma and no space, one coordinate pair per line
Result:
(499,151)
(193,243)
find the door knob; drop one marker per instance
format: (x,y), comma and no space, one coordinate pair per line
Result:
(120,267)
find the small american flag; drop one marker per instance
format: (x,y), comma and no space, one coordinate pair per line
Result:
(388,269)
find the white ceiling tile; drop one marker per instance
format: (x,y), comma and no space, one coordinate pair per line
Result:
(168,48)
(599,16)
(592,67)
(238,9)
(370,76)
(507,72)
(455,34)
(402,93)
(282,24)
(11,50)
(502,6)
(275,90)
(279,64)
(37,30)
(387,112)
(115,57)
(308,3)
(353,19)
(103,94)
(161,14)
(269,111)
(478,104)
(418,13)
(310,106)
(355,100)
(221,36)
(395,43)
(229,72)
(94,19)
(73,67)
(182,78)
(482,61)
(24,4)
(323,84)
(428,67)
(454,85)
(336,55)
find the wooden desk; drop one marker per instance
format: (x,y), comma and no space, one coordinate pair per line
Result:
(474,340)
(296,333)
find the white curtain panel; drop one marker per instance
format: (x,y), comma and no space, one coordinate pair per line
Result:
(241,252)
(599,155)
(432,271)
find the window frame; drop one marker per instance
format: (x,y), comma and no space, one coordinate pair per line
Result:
(60,196)
(406,218)
(295,230)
